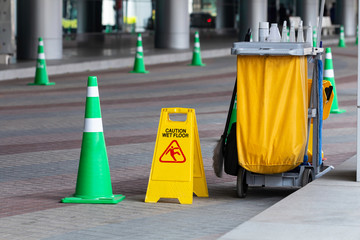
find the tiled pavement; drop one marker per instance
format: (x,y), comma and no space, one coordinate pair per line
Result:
(40,137)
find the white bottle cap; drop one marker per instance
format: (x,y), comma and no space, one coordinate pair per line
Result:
(263,24)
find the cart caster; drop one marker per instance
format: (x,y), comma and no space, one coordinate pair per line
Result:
(241,186)
(307,177)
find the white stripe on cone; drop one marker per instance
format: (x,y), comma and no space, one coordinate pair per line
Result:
(93,125)
(197,44)
(328,56)
(92,92)
(41,43)
(139,49)
(139,38)
(329,73)
(41,55)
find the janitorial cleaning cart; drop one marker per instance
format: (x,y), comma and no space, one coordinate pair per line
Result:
(276,139)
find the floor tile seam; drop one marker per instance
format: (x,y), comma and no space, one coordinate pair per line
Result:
(186,96)
(75,116)
(13,101)
(42,138)
(112,152)
(176,210)
(160,103)
(110,72)
(125,86)
(73,144)
(118,174)
(118,178)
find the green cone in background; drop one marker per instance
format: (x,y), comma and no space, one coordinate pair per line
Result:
(329,75)
(342,38)
(139,66)
(314,37)
(41,76)
(357,35)
(196,59)
(233,116)
(93,181)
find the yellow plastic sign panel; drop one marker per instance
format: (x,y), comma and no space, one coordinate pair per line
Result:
(327,102)
(310,145)
(177,169)
(272,112)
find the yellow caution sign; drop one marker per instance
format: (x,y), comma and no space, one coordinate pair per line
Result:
(177,169)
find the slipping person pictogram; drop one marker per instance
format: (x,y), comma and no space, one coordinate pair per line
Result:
(169,155)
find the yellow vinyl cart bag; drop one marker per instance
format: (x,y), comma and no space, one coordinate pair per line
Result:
(272,112)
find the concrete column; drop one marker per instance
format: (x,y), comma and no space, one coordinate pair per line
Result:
(251,13)
(346,15)
(225,14)
(172,24)
(39,18)
(308,10)
(81,16)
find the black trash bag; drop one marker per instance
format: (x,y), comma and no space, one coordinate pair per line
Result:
(231,163)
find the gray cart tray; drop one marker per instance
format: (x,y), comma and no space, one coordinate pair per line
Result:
(274,48)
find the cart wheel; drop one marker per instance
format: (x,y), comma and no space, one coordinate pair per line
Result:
(307,177)
(241,186)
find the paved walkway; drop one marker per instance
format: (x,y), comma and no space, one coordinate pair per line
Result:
(40,138)
(326,209)
(41,131)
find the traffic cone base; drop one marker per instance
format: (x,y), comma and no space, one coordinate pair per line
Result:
(139,72)
(44,84)
(101,200)
(337,111)
(135,71)
(197,65)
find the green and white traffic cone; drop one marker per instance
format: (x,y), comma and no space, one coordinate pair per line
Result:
(357,35)
(329,75)
(93,181)
(196,59)
(41,76)
(233,116)
(342,38)
(139,66)
(314,37)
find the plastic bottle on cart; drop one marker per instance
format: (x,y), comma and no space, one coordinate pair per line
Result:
(263,31)
(284,37)
(300,36)
(309,34)
(274,35)
(292,32)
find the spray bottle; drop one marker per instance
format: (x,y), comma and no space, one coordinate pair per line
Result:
(292,32)
(284,32)
(300,36)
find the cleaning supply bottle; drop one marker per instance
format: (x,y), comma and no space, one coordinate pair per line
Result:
(300,36)
(263,31)
(292,32)
(309,34)
(274,35)
(284,32)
